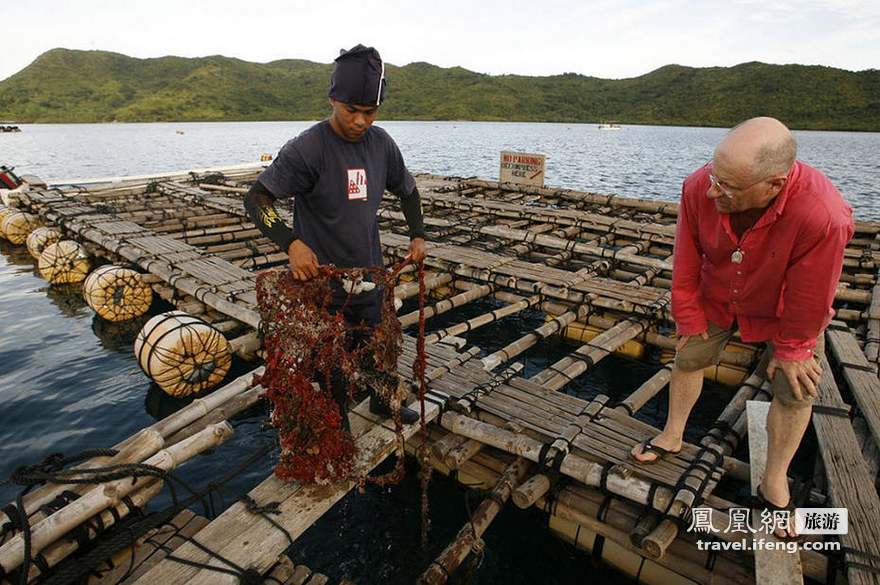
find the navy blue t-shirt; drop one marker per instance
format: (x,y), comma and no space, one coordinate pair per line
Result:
(337,186)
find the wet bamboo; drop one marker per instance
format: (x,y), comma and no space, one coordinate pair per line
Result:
(164,270)
(656,543)
(225,411)
(447,304)
(454,554)
(531,490)
(445,444)
(587,472)
(239,234)
(513,349)
(106,495)
(580,248)
(648,390)
(650,205)
(602,222)
(225,188)
(411,289)
(62,548)
(623,515)
(484,319)
(529,284)
(589,502)
(138,447)
(741,359)
(570,367)
(148,441)
(458,455)
(256,262)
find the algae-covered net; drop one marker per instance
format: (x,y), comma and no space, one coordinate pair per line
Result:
(308,343)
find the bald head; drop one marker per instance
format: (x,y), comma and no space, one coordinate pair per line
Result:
(757,148)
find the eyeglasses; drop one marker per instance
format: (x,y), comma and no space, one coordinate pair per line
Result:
(730,192)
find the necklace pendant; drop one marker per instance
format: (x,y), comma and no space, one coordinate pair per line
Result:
(736,257)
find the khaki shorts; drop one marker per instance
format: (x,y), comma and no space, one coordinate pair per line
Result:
(698,354)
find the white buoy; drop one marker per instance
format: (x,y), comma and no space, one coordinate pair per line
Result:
(117,293)
(16,227)
(64,262)
(4,212)
(182,354)
(40,238)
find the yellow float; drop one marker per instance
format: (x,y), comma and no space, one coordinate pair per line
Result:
(64,262)
(182,354)
(117,293)
(17,226)
(40,238)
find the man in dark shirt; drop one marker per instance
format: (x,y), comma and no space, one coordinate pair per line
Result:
(336,172)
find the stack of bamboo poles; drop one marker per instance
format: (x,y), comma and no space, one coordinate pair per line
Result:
(198,427)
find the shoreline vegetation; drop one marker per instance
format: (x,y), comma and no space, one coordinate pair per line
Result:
(71,86)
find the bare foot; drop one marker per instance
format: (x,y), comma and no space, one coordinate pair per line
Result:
(671,444)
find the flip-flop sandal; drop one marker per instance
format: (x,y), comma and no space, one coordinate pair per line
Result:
(649,447)
(759,502)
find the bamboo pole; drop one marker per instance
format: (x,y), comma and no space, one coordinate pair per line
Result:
(513,349)
(447,304)
(568,368)
(464,452)
(104,496)
(587,472)
(148,441)
(62,548)
(622,516)
(456,552)
(648,390)
(481,320)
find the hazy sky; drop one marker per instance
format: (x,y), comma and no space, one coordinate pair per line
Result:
(605,38)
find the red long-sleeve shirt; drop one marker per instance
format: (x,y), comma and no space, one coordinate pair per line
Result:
(791,262)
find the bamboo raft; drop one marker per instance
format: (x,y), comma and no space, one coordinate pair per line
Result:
(597,267)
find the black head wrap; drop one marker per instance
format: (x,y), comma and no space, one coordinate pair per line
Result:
(359,77)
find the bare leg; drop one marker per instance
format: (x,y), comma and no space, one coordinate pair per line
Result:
(684,390)
(786,426)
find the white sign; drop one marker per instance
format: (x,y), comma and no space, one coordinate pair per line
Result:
(522,168)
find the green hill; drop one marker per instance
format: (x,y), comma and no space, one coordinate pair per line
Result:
(96,86)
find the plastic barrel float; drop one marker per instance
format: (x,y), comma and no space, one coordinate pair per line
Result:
(117,293)
(4,212)
(40,238)
(64,262)
(182,354)
(17,226)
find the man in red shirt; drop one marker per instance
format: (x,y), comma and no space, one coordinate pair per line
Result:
(759,246)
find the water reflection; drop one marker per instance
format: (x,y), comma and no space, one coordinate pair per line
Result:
(68,298)
(118,336)
(160,404)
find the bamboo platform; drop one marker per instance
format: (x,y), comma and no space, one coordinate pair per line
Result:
(599,268)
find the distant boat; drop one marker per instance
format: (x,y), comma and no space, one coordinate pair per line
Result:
(10,129)
(609,126)
(179,131)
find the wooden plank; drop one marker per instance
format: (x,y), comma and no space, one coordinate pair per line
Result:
(863,384)
(253,542)
(850,484)
(779,567)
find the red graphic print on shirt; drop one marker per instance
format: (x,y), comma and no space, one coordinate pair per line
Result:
(357,184)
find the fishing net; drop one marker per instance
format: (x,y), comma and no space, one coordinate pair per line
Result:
(307,343)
